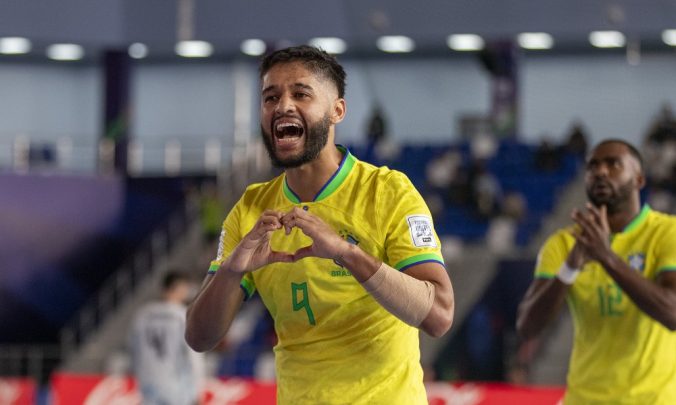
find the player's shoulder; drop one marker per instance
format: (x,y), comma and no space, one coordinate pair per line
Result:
(562,235)
(661,221)
(257,191)
(382,176)
(661,218)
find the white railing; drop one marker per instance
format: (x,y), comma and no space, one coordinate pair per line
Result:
(123,282)
(175,156)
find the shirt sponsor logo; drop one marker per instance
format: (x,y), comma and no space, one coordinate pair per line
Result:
(421,229)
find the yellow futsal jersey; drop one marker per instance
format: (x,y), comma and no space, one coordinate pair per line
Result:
(620,354)
(337,345)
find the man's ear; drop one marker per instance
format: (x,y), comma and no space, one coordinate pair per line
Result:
(640,180)
(339,110)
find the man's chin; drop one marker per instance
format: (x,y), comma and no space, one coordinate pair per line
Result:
(289,162)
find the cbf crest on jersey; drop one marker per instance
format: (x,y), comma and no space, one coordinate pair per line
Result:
(349,237)
(637,261)
(422,234)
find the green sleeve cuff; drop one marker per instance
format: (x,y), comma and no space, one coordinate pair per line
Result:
(422,258)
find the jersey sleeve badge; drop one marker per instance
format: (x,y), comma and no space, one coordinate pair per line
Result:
(422,234)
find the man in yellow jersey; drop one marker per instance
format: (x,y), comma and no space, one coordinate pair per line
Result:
(343,254)
(616,268)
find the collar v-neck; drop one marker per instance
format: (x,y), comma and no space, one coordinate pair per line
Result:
(638,219)
(332,184)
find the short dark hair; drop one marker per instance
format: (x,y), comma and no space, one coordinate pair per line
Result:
(173,277)
(632,149)
(315,59)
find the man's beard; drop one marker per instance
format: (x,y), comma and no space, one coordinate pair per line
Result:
(316,138)
(615,200)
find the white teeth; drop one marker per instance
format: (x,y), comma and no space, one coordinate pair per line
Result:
(282,125)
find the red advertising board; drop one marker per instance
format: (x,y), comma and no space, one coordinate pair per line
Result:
(17,391)
(72,389)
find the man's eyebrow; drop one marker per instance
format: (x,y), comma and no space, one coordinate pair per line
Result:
(269,88)
(295,85)
(303,86)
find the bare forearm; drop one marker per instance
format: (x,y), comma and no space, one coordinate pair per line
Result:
(440,317)
(361,264)
(211,313)
(541,304)
(655,300)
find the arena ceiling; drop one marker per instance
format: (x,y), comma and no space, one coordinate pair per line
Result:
(110,24)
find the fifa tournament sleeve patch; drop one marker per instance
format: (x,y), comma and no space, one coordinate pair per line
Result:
(420,227)
(216,263)
(219,255)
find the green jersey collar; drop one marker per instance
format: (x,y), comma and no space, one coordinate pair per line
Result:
(334,182)
(638,220)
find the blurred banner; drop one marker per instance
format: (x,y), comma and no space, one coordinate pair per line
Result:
(17,391)
(71,389)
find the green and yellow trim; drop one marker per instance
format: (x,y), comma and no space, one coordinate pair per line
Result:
(638,220)
(332,184)
(247,287)
(213,267)
(666,268)
(418,259)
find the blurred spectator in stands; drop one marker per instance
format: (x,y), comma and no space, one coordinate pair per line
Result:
(246,350)
(548,157)
(486,190)
(576,143)
(660,154)
(501,234)
(380,148)
(663,127)
(377,127)
(212,212)
(168,372)
(483,147)
(440,173)
(375,132)
(518,369)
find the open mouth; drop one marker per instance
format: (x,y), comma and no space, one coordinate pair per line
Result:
(288,134)
(288,129)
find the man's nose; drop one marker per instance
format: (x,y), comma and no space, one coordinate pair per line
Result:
(285,105)
(600,170)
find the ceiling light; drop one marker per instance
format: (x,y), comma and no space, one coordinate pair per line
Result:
(194,49)
(669,37)
(395,44)
(253,47)
(138,50)
(607,39)
(535,40)
(65,52)
(465,42)
(331,45)
(14,45)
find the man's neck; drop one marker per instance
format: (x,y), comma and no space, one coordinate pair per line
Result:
(619,219)
(308,179)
